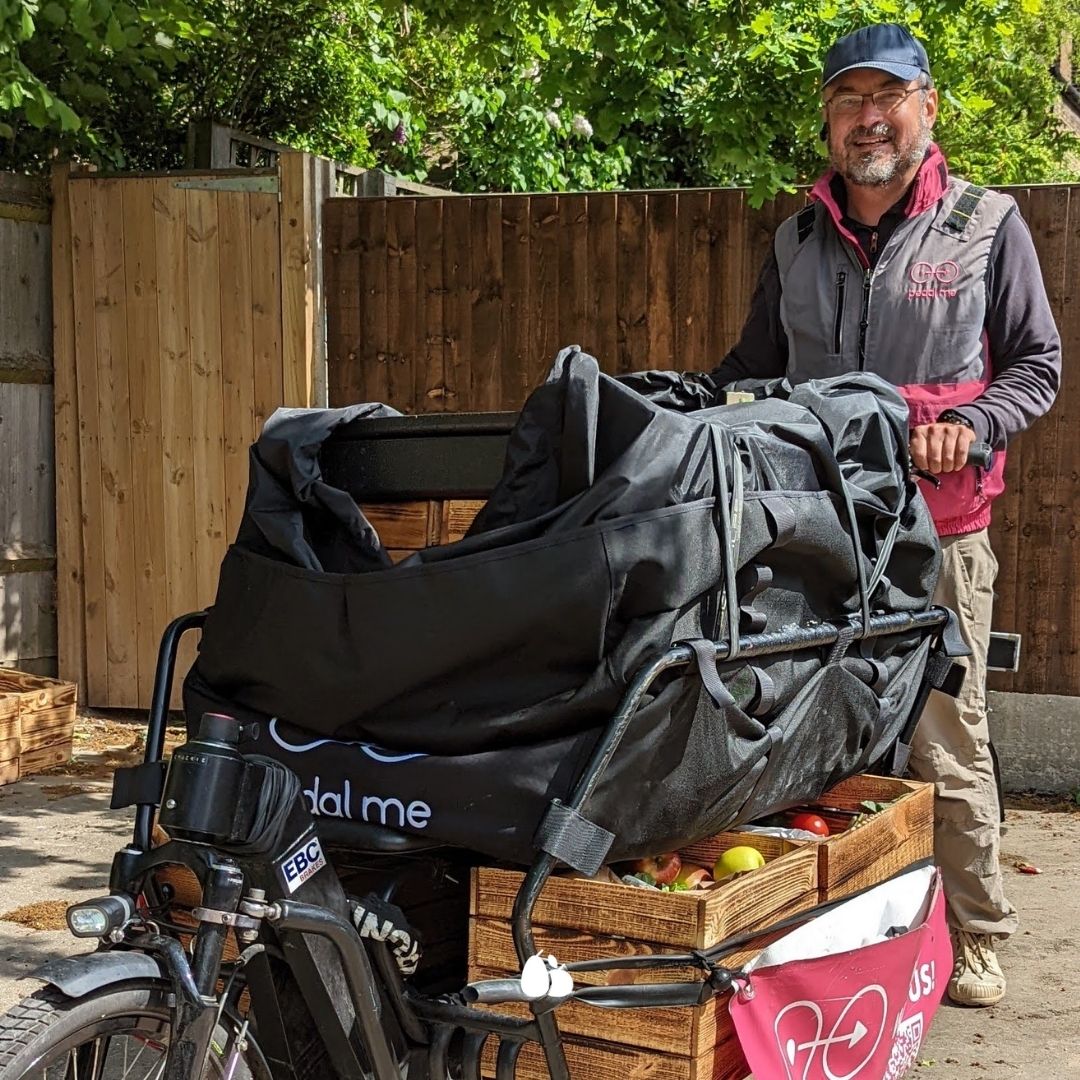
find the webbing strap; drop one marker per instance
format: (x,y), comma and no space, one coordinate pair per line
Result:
(764,699)
(804,222)
(581,844)
(138,785)
(840,647)
(705,652)
(965,206)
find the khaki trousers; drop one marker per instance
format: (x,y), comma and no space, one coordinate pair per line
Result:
(951,749)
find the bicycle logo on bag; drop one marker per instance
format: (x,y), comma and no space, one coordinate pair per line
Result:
(850,1044)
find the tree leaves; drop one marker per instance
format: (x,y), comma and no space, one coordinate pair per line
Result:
(517,94)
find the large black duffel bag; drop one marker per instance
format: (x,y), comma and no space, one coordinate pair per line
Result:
(454,695)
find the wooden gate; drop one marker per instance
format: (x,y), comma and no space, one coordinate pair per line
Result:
(185,313)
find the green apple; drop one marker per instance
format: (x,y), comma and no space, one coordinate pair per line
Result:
(737,860)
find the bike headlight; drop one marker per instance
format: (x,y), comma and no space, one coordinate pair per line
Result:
(96,918)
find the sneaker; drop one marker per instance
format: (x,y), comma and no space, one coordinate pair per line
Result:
(977,978)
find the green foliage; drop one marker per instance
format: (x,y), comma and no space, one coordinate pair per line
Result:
(72,70)
(518,94)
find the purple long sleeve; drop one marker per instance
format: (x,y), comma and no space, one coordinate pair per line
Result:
(1025,347)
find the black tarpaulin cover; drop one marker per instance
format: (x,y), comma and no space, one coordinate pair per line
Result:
(455,694)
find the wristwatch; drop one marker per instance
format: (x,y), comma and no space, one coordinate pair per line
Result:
(951,416)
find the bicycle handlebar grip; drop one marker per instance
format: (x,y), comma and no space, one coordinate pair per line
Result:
(980,454)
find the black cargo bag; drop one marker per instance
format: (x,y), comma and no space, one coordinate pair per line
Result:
(454,695)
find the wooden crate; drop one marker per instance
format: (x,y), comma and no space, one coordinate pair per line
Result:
(37,723)
(405,527)
(881,845)
(579,920)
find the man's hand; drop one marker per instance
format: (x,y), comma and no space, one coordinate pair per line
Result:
(940,448)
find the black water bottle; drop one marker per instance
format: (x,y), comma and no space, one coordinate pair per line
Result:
(203,799)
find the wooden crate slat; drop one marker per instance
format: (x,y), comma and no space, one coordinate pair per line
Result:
(38,760)
(9,746)
(669,1029)
(457,517)
(53,729)
(405,525)
(691,920)
(593,1060)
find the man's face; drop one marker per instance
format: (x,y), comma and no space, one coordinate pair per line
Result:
(872,142)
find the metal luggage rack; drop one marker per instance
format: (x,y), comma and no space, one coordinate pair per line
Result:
(564,836)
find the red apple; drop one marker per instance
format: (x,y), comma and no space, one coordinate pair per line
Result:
(693,877)
(663,869)
(810,823)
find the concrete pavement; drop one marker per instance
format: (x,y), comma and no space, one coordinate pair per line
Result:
(57,838)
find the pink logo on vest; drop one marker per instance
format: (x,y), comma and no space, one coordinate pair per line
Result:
(931,279)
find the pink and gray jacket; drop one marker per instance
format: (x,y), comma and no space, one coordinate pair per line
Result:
(944,299)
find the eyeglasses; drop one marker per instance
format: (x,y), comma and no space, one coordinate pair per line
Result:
(888,100)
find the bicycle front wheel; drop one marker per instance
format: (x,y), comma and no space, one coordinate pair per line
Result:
(117,1033)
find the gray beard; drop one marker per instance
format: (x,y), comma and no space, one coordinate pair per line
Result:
(880,168)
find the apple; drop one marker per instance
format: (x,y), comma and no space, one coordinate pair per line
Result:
(693,877)
(663,869)
(813,823)
(737,860)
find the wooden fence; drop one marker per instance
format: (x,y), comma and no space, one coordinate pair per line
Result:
(187,309)
(27,520)
(460,303)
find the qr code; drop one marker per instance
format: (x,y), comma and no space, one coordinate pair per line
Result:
(905,1048)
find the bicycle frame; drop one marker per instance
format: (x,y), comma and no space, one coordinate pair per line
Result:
(309,971)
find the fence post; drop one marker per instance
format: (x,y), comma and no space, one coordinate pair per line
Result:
(299,281)
(71,633)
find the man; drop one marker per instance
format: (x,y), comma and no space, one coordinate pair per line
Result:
(897,268)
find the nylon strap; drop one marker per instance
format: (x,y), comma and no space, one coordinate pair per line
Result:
(581,844)
(705,652)
(138,785)
(804,222)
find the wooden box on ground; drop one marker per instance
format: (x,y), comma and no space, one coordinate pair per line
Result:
(579,920)
(37,723)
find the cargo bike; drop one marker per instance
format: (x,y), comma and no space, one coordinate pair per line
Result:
(277,971)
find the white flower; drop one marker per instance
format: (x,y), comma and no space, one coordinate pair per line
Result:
(580,126)
(532,71)
(557,103)
(552,117)
(163,41)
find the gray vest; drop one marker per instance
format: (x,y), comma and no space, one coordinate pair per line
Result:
(917,319)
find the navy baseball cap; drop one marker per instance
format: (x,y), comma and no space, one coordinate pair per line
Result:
(884,46)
